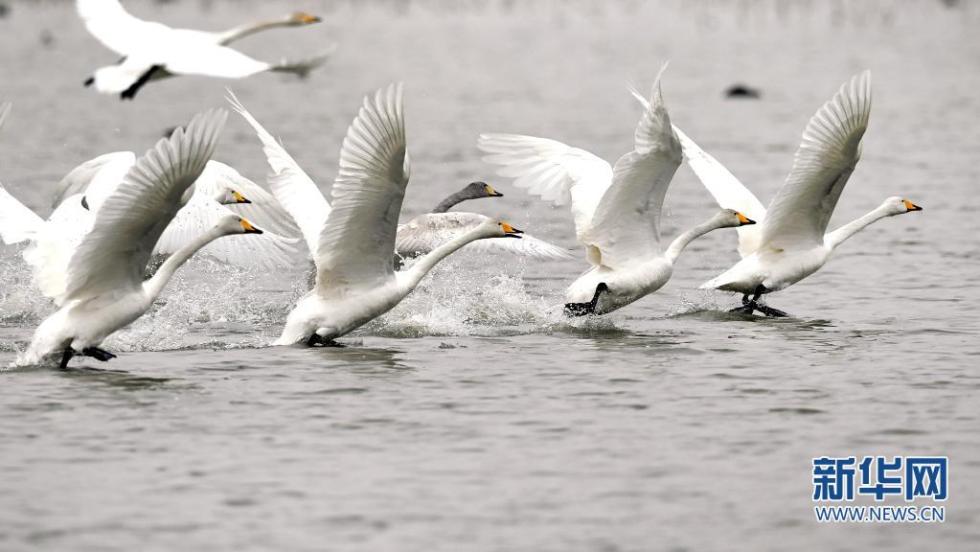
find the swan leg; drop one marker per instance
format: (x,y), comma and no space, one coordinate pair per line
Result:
(583,309)
(748,305)
(130,93)
(98,354)
(65,357)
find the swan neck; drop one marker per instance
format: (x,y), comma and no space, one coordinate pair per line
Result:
(241,31)
(432,258)
(839,236)
(449,202)
(155,285)
(681,241)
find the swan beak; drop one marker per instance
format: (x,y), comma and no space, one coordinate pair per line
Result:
(911,206)
(248,228)
(239,198)
(308,19)
(493,193)
(743,220)
(510,231)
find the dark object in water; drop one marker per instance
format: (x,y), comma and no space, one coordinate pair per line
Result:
(742,91)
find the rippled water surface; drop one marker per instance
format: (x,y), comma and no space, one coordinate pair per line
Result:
(473,417)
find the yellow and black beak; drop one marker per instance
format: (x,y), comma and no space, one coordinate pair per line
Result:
(510,231)
(239,198)
(491,192)
(307,18)
(743,220)
(249,229)
(911,206)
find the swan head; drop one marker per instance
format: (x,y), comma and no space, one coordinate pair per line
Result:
(301,18)
(229,196)
(728,218)
(896,205)
(234,224)
(476,190)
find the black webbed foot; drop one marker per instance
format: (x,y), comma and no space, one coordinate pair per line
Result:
(769,311)
(316,340)
(744,309)
(130,93)
(583,309)
(98,354)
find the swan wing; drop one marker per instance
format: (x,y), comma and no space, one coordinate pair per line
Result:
(426,232)
(199,57)
(551,170)
(54,244)
(291,186)
(728,192)
(17,222)
(626,226)
(828,153)
(262,210)
(202,213)
(78,180)
(357,243)
(116,28)
(114,254)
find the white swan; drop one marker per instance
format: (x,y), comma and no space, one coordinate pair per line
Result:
(616,209)
(105,289)
(153,50)
(791,242)
(353,242)
(219,191)
(300,198)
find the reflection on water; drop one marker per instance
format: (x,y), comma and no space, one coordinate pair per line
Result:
(473,415)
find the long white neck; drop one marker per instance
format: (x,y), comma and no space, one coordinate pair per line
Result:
(680,242)
(839,236)
(422,267)
(155,285)
(242,31)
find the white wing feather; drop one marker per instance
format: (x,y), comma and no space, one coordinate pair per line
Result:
(263,211)
(17,222)
(625,228)
(357,244)
(114,27)
(828,153)
(291,186)
(54,244)
(78,180)
(728,192)
(426,232)
(551,170)
(202,213)
(114,254)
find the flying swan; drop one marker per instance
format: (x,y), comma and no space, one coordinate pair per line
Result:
(152,50)
(353,240)
(105,289)
(616,209)
(791,242)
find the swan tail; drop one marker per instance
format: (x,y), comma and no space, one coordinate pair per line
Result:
(303,67)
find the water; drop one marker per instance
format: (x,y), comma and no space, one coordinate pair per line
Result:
(472,417)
